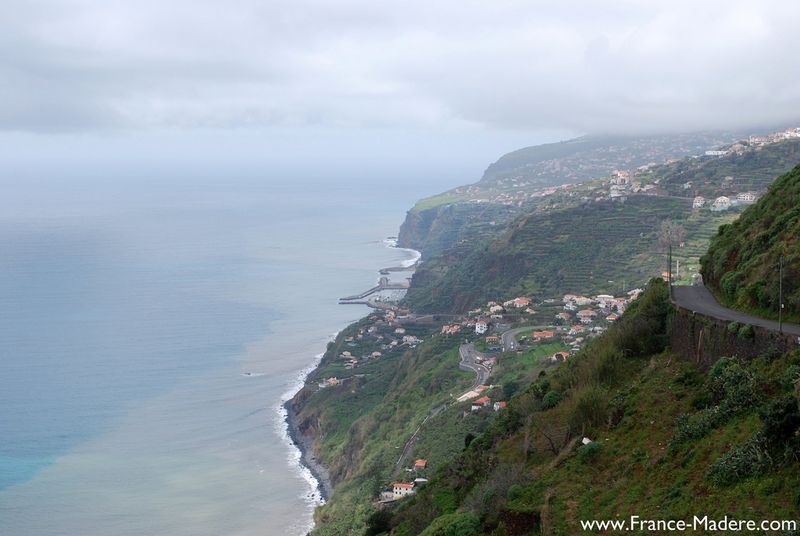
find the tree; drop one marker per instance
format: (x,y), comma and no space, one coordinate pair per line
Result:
(670,234)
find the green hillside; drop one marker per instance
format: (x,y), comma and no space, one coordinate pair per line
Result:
(668,441)
(505,189)
(752,170)
(742,264)
(597,247)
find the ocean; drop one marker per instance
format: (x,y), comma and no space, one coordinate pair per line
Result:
(149,333)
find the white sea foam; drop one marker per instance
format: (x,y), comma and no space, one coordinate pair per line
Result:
(314,496)
(415,255)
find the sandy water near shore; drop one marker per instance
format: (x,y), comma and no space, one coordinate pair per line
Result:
(151,346)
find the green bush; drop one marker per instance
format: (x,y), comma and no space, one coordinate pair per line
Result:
(378,523)
(460,524)
(747,332)
(749,459)
(733,328)
(791,377)
(590,409)
(589,452)
(781,419)
(721,364)
(729,284)
(731,389)
(551,399)
(514,492)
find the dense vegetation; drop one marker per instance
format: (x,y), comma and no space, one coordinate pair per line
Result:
(440,221)
(668,442)
(598,247)
(362,424)
(742,264)
(436,229)
(728,175)
(587,246)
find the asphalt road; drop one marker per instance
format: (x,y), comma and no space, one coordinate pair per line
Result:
(468,362)
(509,338)
(699,299)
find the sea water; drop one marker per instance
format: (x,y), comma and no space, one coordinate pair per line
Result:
(149,333)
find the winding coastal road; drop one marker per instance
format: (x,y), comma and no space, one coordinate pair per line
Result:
(699,299)
(469,362)
(509,338)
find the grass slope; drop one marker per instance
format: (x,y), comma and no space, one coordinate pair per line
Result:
(592,248)
(741,266)
(669,442)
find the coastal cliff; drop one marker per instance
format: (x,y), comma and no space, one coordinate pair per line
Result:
(384,391)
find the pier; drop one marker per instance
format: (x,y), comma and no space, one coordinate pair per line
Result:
(387,271)
(383,284)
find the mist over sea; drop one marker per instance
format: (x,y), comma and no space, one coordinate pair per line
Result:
(130,314)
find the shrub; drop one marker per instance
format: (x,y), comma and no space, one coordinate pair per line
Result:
(378,523)
(791,377)
(589,452)
(731,388)
(551,399)
(749,459)
(590,409)
(747,332)
(514,492)
(729,284)
(469,438)
(781,419)
(721,364)
(540,387)
(733,328)
(460,524)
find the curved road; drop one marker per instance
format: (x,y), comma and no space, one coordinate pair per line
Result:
(699,299)
(509,337)
(470,363)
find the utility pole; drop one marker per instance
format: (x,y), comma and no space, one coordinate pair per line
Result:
(669,270)
(780,296)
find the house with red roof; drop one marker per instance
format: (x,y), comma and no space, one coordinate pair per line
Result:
(402,489)
(574,330)
(481,402)
(543,334)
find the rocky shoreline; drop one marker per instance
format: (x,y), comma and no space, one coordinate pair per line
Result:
(305,444)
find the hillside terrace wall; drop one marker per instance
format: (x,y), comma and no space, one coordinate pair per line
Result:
(703,339)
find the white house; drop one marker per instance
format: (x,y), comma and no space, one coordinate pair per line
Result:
(721,203)
(698,202)
(402,489)
(746,197)
(481,326)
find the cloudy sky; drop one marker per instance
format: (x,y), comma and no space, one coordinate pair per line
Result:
(344,72)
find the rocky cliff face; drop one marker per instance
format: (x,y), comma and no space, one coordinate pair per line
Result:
(434,230)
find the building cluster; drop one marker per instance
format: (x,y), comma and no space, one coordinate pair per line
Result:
(755,142)
(725,202)
(588,316)
(402,489)
(482,317)
(485,402)
(382,333)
